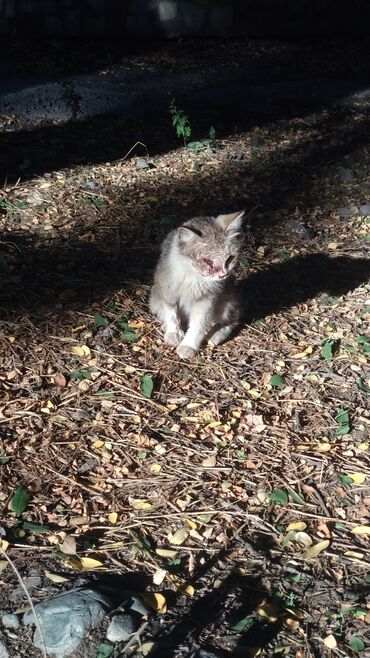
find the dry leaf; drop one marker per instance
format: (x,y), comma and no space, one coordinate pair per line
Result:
(147,648)
(81,350)
(179,537)
(354,554)
(317,548)
(155,601)
(112,517)
(302,355)
(268,611)
(303,538)
(361,530)
(68,546)
(166,552)
(59,380)
(209,461)
(3,565)
(359,478)
(89,563)
(330,642)
(296,525)
(141,504)
(159,576)
(4,545)
(188,590)
(252,423)
(55,577)
(155,468)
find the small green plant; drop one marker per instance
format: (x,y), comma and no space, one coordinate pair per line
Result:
(180,122)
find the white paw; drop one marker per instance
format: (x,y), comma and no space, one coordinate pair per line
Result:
(185,351)
(173,337)
(218,337)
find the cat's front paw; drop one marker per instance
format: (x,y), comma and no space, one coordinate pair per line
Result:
(173,338)
(185,351)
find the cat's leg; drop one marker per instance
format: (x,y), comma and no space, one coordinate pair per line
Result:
(167,314)
(197,330)
(223,333)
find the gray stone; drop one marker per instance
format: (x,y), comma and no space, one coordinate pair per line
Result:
(347,211)
(10,620)
(364,209)
(66,619)
(121,627)
(141,163)
(136,604)
(207,653)
(4,653)
(345,175)
(299,229)
(30,582)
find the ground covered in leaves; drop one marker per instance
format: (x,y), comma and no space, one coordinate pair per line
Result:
(236,485)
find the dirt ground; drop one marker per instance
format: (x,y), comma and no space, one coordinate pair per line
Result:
(236,485)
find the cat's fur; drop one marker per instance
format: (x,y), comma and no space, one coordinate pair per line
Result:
(192,290)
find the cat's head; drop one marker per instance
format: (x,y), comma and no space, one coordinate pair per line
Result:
(212,244)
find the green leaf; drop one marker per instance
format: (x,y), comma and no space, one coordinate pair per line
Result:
(100,321)
(356,644)
(33,527)
(294,577)
(296,498)
(129,335)
(80,374)
(197,146)
(245,262)
(104,650)
(344,479)
(277,381)
(367,577)
(279,496)
(283,254)
(242,624)
(361,386)
(19,501)
(342,420)
(146,386)
(240,454)
(4,459)
(328,349)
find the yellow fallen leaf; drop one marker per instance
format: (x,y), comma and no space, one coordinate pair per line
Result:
(191,524)
(98,444)
(296,525)
(361,530)
(209,462)
(302,355)
(159,576)
(112,517)
(355,554)
(155,601)
(165,552)
(179,537)
(141,504)
(330,642)
(358,478)
(314,550)
(147,648)
(3,565)
(89,563)
(55,577)
(188,590)
(268,611)
(4,545)
(81,350)
(323,447)
(155,468)
(332,245)
(363,446)
(253,652)
(303,538)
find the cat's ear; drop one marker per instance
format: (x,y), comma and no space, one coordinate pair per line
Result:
(231,223)
(187,233)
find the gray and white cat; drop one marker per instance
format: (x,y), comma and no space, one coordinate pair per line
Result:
(192,290)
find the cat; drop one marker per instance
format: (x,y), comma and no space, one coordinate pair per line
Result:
(192,288)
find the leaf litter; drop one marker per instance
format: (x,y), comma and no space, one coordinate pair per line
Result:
(253,458)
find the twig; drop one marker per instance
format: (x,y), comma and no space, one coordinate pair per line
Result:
(134,638)
(19,577)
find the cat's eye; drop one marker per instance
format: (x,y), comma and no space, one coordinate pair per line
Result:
(229,261)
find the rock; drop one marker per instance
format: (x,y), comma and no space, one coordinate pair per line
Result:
(30,582)
(364,209)
(121,627)
(347,211)
(133,602)
(10,620)
(345,175)
(66,619)
(141,163)
(208,653)
(4,653)
(299,229)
